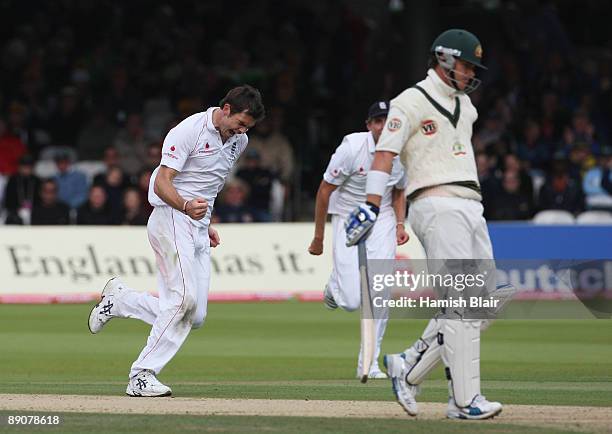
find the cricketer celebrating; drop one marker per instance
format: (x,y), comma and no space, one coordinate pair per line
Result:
(197,156)
(430,127)
(342,189)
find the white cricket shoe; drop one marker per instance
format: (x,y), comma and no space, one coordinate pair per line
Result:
(480,408)
(377,374)
(397,368)
(102,312)
(328,299)
(146,384)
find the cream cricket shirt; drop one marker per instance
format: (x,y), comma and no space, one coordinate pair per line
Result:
(434,140)
(348,169)
(194,148)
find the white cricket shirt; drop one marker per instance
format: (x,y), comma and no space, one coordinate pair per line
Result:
(348,169)
(194,148)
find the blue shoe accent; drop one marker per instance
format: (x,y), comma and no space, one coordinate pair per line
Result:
(393,380)
(475,411)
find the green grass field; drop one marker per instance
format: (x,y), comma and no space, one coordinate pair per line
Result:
(293,350)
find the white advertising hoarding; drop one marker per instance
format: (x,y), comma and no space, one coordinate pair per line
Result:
(72,263)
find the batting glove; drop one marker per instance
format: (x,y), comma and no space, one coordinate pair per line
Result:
(360,222)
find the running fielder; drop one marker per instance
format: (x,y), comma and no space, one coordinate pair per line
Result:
(430,127)
(341,190)
(197,156)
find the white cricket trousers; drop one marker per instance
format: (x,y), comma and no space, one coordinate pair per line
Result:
(450,228)
(344,281)
(182,255)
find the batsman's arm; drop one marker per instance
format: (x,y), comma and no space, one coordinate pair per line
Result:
(321,207)
(164,188)
(378,176)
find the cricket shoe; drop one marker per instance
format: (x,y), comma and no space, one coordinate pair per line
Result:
(146,384)
(102,312)
(480,408)
(397,368)
(377,374)
(328,299)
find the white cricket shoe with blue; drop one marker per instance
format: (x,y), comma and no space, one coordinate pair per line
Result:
(397,368)
(480,408)
(146,384)
(105,309)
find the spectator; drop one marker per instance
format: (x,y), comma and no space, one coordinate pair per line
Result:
(96,210)
(17,124)
(606,176)
(560,191)
(72,184)
(511,203)
(597,184)
(233,207)
(67,122)
(111,159)
(133,212)
(48,210)
(22,192)
(581,160)
(581,132)
(143,189)
(153,156)
(513,164)
(532,147)
(489,185)
(96,136)
(11,150)
(132,144)
(114,184)
(260,181)
(492,131)
(273,146)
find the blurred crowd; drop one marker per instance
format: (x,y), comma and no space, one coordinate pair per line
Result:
(84,109)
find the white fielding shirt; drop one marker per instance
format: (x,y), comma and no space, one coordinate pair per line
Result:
(194,149)
(348,169)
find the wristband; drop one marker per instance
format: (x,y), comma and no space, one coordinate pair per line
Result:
(375,209)
(185,207)
(377,182)
(400,223)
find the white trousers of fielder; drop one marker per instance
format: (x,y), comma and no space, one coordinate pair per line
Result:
(344,281)
(182,256)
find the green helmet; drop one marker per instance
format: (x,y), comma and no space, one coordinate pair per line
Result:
(460,44)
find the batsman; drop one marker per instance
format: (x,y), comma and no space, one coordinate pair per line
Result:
(430,126)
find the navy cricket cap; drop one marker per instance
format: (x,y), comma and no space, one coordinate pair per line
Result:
(378,109)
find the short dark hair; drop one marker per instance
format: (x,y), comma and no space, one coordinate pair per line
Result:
(247,99)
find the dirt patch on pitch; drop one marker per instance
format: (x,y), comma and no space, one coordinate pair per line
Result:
(592,419)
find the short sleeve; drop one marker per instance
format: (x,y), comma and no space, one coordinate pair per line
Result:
(395,133)
(243,141)
(339,167)
(402,183)
(177,146)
